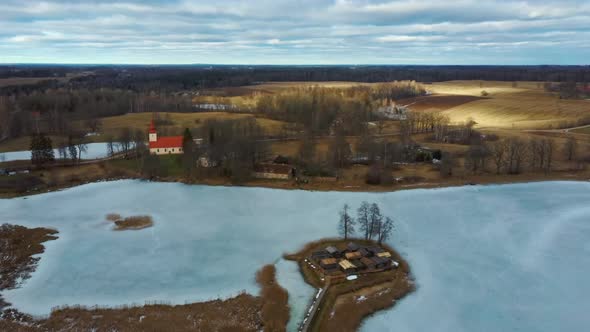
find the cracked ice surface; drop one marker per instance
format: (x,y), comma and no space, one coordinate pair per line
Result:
(485,258)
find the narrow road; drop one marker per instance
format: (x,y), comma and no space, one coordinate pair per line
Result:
(564,130)
(313,308)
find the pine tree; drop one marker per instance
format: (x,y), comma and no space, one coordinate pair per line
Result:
(187,137)
(41,149)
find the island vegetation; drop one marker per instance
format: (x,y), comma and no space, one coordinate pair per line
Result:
(356,277)
(130,223)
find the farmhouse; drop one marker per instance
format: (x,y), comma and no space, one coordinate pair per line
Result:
(165,144)
(274,171)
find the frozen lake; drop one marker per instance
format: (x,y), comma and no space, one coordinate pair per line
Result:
(485,258)
(94,151)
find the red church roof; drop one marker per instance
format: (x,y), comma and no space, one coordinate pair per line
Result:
(167,142)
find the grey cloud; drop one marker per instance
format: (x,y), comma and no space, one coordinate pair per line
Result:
(305,31)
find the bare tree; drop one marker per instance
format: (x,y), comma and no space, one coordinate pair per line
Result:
(73,152)
(498,151)
(476,157)
(339,150)
(82,147)
(62,151)
(366,147)
(385,230)
(549,152)
(139,142)
(516,153)
(125,139)
(111,146)
(307,146)
(571,148)
(362,217)
(447,164)
(375,219)
(346,223)
(541,152)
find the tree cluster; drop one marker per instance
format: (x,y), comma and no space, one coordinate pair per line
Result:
(234,145)
(372,224)
(324,110)
(513,155)
(55,110)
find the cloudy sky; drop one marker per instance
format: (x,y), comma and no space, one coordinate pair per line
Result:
(295,31)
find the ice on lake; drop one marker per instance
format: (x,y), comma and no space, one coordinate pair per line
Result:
(485,258)
(93,151)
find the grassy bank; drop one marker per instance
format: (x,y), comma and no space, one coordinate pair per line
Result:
(351,180)
(18,245)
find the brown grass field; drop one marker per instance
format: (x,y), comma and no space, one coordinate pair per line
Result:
(141,121)
(524,106)
(436,102)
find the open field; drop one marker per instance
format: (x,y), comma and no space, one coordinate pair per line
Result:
(522,110)
(141,121)
(518,105)
(474,88)
(436,102)
(14,81)
(524,106)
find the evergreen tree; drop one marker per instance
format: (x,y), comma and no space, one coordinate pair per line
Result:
(41,149)
(187,137)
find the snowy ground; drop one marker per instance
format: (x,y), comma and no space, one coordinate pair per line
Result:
(95,151)
(491,258)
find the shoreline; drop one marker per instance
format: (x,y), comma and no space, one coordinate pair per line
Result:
(266,311)
(486,179)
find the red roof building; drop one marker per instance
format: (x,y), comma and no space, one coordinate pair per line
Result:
(165,144)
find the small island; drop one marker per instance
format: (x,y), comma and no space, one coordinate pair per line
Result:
(355,277)
(130,223)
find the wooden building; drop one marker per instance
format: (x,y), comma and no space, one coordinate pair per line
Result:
(353,255)
(346,266)
(274,171)
(329,263)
